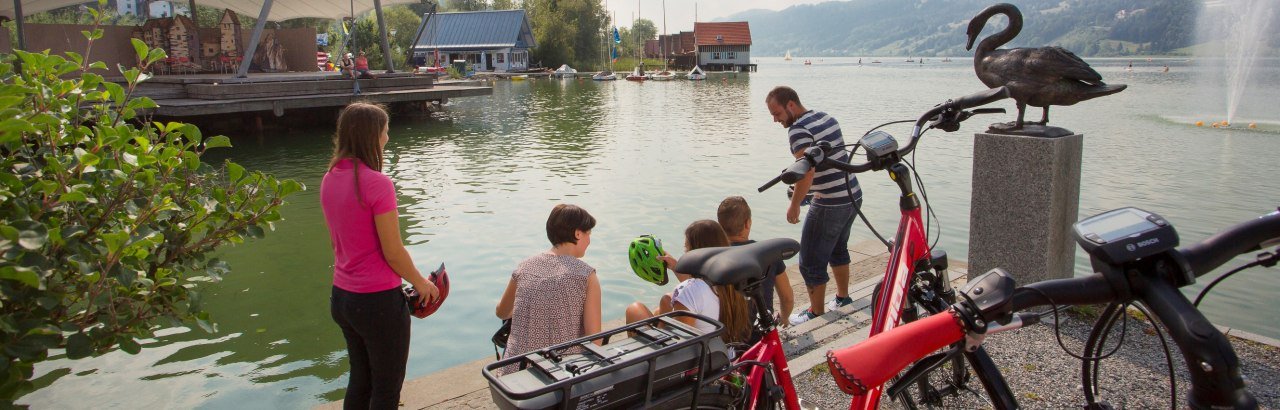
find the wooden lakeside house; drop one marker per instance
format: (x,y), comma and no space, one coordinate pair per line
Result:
(495,40)
(680,50)
(724,46)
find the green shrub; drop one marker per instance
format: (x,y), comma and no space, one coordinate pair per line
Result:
(107,220)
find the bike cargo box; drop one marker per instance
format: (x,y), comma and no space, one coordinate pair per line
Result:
(661,360)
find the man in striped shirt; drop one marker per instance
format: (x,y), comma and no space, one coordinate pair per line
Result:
(824,239)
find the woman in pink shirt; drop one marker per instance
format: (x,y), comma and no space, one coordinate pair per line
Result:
(370,260)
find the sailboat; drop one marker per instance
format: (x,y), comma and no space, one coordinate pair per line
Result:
(696,74)
(788,56)
(638,74)
(664,75)
(607,74)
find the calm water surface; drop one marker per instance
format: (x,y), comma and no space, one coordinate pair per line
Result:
(477,181)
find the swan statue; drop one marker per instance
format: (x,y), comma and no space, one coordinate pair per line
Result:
(1038,77)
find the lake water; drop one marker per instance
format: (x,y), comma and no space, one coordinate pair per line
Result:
(478,179)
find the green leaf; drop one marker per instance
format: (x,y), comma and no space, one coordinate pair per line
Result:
(255,231)
(234,171)
(139,48)
(73,196)
(115,240)
(31,235)
(218,141)
(21,274)
(290,186)
(79,346)
(192,133)
(128,345)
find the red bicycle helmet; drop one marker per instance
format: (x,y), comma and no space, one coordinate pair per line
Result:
(419,307)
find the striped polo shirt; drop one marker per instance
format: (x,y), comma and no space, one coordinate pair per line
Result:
(829,187)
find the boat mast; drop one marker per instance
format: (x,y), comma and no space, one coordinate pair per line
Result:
(663,43)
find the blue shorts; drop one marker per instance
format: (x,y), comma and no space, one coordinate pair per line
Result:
(824,240)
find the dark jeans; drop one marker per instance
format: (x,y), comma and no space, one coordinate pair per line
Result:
(824,240)
(376,326)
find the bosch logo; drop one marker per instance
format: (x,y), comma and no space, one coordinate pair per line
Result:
(1148,242)
(1131,247)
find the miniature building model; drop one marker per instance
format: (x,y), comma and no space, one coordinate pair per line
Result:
(230,32)
(181,44)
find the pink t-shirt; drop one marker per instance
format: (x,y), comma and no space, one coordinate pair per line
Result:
(358,264)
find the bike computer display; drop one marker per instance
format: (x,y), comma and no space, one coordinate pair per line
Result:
(1125,234)
(879,144)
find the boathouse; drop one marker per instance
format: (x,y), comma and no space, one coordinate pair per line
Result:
(723,46)
(496,40)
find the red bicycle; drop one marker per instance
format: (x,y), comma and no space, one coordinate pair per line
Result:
(1135,256)
(916,276)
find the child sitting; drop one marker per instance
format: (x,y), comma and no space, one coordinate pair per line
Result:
(735,217)
(721,302)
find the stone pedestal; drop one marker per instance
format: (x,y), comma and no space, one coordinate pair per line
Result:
(1026,194)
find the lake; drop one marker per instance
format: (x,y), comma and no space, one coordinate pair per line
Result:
(477,180)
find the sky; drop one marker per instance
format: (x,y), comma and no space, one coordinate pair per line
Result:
(680,13)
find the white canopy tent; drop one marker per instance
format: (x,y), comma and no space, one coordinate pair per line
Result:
(273,10)
(280,9)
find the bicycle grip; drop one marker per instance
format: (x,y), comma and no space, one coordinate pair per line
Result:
(770,184)
(981,98)
(872,362)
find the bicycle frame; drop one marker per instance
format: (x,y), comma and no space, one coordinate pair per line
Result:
(769,350)
(909,246)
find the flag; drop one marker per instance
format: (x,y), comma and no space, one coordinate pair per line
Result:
(617,39)
(614,51)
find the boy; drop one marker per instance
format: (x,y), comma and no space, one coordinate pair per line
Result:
(735,217)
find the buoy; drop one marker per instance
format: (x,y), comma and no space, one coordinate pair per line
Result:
(1215,125)
(1226,124)
(1199,123)
(1253,125)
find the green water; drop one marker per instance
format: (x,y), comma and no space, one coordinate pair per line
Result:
(478,179)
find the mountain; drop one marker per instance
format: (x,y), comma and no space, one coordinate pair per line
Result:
(937,27)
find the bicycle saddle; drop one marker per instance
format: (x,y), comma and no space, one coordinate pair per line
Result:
(736,265)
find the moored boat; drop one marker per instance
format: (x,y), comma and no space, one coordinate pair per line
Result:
(565,72)
(696,74)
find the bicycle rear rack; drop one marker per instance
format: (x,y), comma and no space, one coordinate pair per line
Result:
(661,354)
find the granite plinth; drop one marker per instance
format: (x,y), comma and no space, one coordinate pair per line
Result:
(1026,195)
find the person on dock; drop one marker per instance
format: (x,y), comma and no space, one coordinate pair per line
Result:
(369,260)
(734,216)
(349,69)
(362,67)
(824,239)
(553,297)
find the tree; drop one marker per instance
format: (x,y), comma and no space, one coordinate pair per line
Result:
(107,221)
(567,31)
(633,38)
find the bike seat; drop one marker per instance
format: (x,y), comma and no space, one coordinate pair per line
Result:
(736,265)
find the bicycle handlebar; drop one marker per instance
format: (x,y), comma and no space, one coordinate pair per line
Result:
(880,357)
(1205,256)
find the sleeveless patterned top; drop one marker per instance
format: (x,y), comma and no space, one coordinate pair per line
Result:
(550,292)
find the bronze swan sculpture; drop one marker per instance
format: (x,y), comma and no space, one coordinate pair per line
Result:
(1038,77)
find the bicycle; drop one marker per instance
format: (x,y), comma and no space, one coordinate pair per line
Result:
(1136,258)
(916,276)
(768,381)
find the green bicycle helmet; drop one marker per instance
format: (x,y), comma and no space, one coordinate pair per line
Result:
(643,255)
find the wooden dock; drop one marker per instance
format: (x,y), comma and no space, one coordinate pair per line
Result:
(196,95)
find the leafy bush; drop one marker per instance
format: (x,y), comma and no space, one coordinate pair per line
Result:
(107,220)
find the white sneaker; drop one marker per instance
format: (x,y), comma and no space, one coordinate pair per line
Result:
(837,302)
(801,317)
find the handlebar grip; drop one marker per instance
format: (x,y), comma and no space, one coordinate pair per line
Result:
(1205,256)
(869,364)
(981,98)
(770,184)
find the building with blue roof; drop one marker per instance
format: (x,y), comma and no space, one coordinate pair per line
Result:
(495,40)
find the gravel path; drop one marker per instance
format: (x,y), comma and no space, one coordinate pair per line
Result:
(1043,376)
